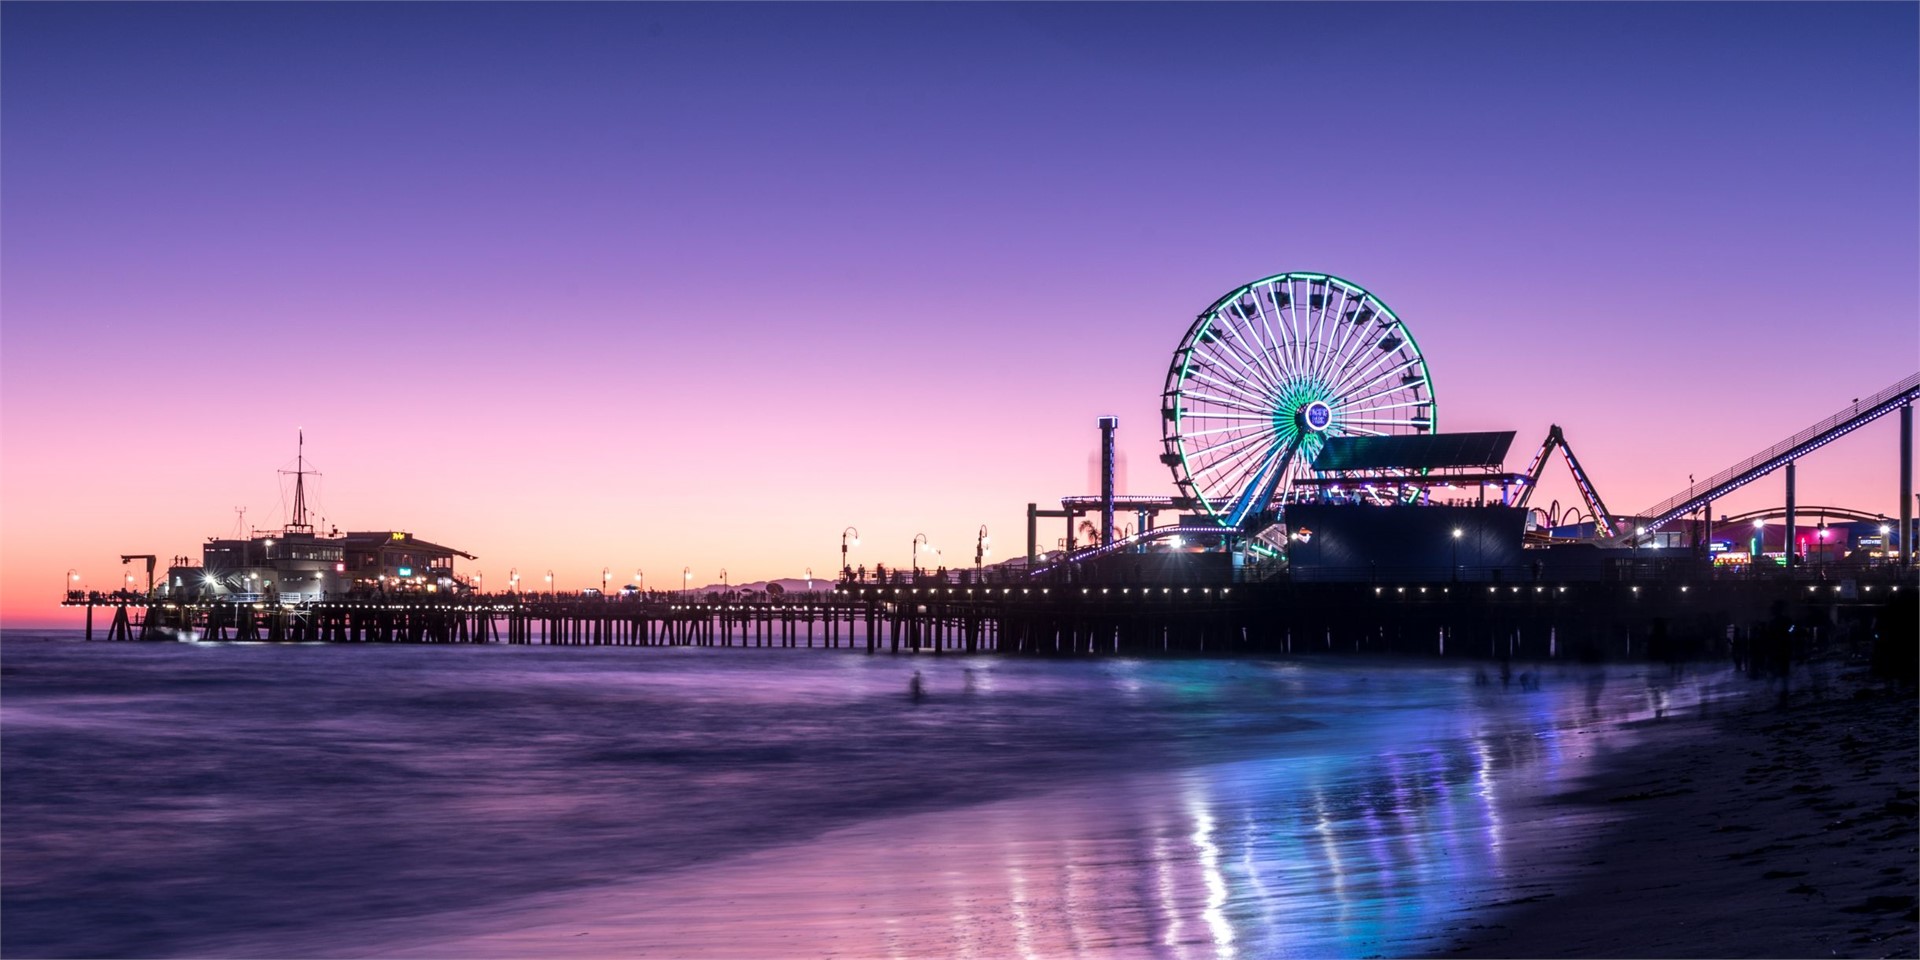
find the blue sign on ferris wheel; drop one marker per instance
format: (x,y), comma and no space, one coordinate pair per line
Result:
(1318,415)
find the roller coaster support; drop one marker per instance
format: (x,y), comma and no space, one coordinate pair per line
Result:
(1906,482)
(1602,519)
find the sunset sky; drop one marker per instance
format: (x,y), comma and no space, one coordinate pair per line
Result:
(642,286)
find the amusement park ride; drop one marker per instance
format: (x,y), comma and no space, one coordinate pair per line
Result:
(1307,389)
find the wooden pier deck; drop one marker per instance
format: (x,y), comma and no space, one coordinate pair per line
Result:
(1530,620)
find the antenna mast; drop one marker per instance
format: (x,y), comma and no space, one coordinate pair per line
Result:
(300,524)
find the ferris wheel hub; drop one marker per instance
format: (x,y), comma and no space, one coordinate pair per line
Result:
(1316,416)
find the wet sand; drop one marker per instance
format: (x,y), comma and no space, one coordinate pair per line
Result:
(1287,856)
(1758,832)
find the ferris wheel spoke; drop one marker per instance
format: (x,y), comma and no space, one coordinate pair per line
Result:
(1338,337)
(1353,346)
(1388,391)
(1222,401)
(1345,348)
(1252,395)
(1344,411)
(1317,319)
(1274,345)
(1229,348)
(1237,453)
(1293,312)
(1358,373)
(1389,423)
(1252,436)
(1256,417)
(1388,374)
(1188,434)
(1252,466)
(1219,353)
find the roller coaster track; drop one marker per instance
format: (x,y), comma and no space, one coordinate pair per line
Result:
(1852,417)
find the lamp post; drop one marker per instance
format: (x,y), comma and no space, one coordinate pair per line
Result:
(639,580)
(1759,543)
(980,549)
(686,581)
(606,579)
(846,571)
(723,583)
(73,581)
(1886,545)
(513,580)
(480,581)
(918,539)
(1456,553)
(549,583)
(809,579)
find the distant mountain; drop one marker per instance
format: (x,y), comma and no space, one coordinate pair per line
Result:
(787,585)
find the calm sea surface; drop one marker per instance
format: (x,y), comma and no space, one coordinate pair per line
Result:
(252,800)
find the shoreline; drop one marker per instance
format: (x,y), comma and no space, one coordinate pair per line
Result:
(1759,831)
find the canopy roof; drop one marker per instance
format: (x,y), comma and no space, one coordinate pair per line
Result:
(1432,451)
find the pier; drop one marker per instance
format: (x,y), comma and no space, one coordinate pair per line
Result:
(1537,620)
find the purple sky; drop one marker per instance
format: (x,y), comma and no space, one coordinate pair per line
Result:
(574,286)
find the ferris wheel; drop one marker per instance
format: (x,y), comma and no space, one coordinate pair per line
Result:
(1271,370)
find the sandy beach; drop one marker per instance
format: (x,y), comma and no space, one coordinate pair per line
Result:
(1759,831)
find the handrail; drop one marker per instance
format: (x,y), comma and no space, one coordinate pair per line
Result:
(1854,416)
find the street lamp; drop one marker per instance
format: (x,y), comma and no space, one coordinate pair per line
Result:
(809,579)
(479,581)
(1456,552)
(846,571)
(549,583)
(723,581)
(918,539)
(73,578)
(513,580)
(639,580)
(606,579)
(686,580)
(980,548)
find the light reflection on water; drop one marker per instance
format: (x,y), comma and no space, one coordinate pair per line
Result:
(247,800)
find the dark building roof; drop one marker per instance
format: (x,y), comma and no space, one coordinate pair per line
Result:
(375,539)
(1431,451)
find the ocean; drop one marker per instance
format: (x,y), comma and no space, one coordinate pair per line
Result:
(186,799)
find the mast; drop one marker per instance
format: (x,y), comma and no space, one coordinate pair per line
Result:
(299,522)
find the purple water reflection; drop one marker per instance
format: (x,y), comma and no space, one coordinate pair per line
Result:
(250,800)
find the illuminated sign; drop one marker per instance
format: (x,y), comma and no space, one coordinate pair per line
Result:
(1316,416)
(406,571)
(397,535)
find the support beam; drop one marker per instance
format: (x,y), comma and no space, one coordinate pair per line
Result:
(1792,561)
(1033,517)
(1906,484)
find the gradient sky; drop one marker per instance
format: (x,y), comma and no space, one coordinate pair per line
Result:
(573,286)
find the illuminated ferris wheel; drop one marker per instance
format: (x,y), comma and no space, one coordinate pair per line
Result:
(1271,370)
